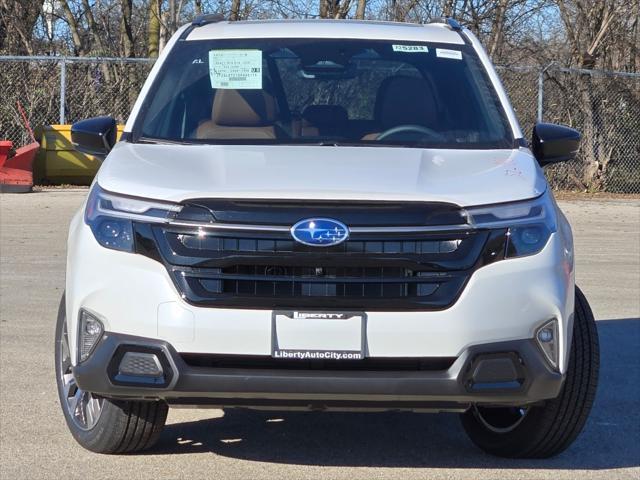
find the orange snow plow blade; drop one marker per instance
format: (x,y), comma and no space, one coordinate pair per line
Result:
(16,172)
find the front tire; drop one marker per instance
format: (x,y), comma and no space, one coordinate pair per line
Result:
(545,431)
(99,424)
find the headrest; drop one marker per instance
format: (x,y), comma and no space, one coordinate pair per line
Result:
(405,101)
(243,108)
(325,115)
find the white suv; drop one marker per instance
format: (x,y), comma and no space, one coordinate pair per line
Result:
(324,215)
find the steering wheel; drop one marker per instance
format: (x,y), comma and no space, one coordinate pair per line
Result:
(410,128)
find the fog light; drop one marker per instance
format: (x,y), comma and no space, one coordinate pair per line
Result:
(140,364)
(531,235)
(547,338)
(89,333)
(545,335)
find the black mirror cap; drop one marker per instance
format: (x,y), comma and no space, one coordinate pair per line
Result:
(553,143)
(94,136)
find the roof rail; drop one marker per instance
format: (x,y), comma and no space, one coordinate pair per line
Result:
(206,18)
(451,22)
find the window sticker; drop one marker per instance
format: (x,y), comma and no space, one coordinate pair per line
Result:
(410,48)
(236,69)
(444,53)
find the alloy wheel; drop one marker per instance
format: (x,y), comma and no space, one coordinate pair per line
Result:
(83,408)
(500,419)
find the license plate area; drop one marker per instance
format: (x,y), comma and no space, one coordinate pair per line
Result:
(315,335)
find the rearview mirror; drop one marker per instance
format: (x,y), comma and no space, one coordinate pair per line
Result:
(328,70)
(553,143)
(94,136)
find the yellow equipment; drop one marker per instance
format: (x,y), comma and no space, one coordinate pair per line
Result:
(57,162)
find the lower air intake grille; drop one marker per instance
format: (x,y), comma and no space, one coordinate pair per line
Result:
(366,364)
(351,282)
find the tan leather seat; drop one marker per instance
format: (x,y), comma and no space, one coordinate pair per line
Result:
(403,100)
(240,114)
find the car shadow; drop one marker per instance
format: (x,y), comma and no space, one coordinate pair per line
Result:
(611,438)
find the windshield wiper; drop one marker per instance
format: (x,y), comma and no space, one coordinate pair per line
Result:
(329,143)
(323,143)
(162,141)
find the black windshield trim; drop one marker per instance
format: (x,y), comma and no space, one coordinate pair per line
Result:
(327,143)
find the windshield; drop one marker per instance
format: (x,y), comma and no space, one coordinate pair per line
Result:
(319,91)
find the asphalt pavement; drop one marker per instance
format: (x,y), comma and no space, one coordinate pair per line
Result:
(35,443)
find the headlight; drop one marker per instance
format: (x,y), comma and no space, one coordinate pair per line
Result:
(111,216)
(530,223)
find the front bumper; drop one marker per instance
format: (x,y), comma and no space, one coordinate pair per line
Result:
(134,295)
(503,373)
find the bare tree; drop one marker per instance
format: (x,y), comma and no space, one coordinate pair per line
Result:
(17,21)
(153,41)
(96,35)
(235,10)
(126,29)
(587,33)
(497,26)
(79,46)
(597,32)
(169,20)
(334,8)
(591,27)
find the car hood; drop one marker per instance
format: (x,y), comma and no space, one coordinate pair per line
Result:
(181,172)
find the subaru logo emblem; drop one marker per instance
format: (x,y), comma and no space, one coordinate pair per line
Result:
(320,232)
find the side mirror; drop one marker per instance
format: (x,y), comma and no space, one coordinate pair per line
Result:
(554,143)
(94,136)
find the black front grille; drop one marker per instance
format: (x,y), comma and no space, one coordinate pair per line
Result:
(218,243)
(272,212)
(353,282)
(369,271)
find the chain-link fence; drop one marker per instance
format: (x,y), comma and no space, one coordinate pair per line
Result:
(604,106)
(60,90)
